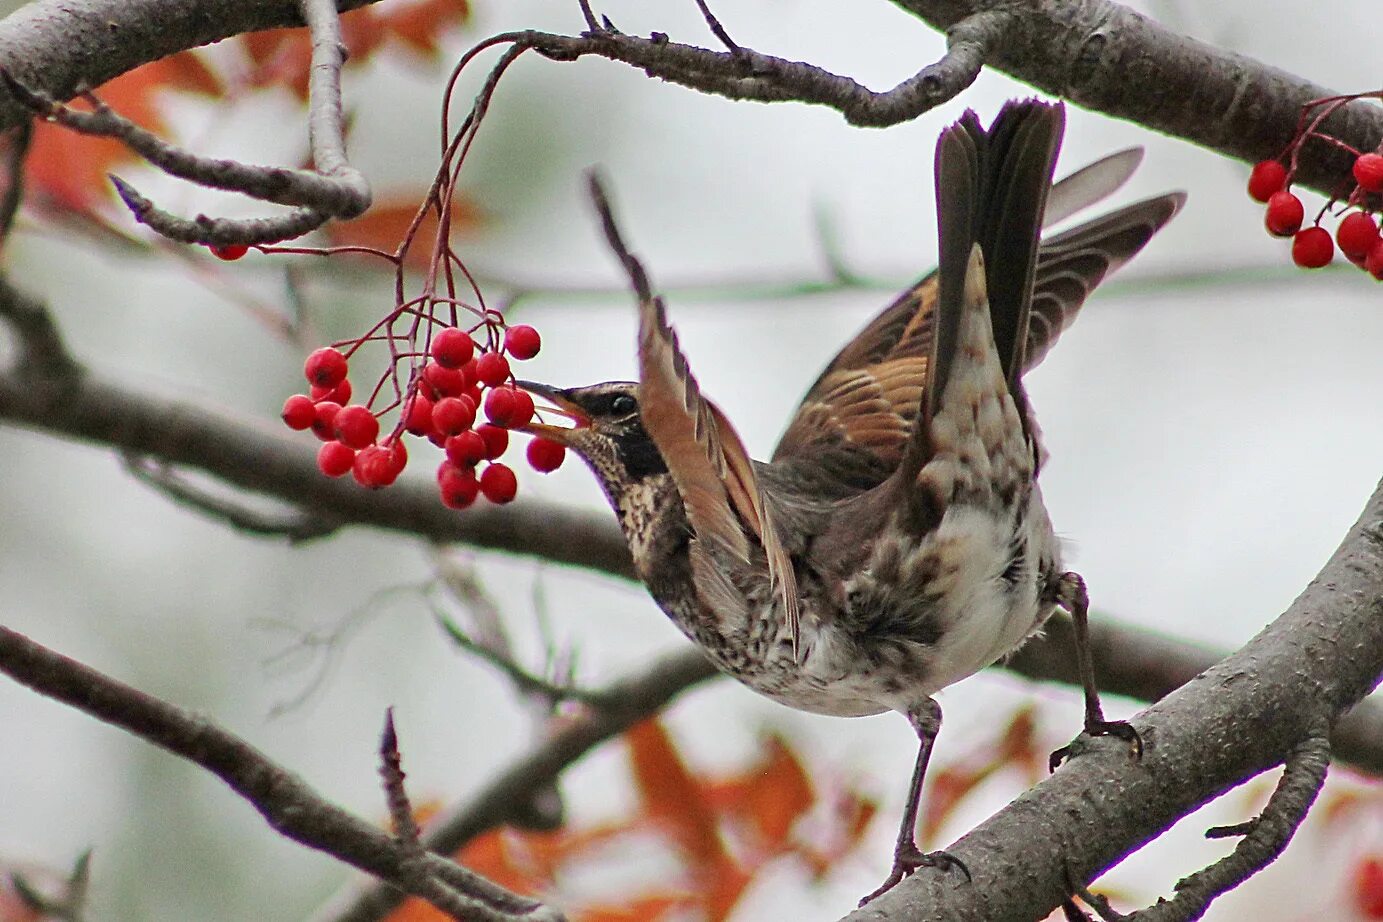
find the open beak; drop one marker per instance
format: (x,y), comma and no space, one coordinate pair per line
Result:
(560,406)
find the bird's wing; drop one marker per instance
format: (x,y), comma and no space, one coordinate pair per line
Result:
(705,456)
(849,432)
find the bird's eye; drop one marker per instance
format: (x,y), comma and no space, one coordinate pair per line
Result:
(623,404)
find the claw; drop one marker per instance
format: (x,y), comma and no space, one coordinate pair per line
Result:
(1121,729)
(909,859)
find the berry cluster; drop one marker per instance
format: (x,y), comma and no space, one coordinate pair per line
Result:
(1357,233)
(451,385)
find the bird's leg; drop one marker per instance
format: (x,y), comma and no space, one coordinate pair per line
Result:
(1072,596)
(907,857)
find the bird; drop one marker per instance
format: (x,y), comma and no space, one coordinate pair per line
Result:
(897,540)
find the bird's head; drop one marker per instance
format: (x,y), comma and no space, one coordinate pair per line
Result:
(606,431)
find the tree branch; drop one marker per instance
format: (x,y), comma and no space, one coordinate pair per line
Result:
(1109,59)
(1243,716)
(60,47)
(286,802)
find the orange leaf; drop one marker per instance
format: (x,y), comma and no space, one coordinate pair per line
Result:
(772,794)
(671,796)
(419,25)
(646,909)
(383,226)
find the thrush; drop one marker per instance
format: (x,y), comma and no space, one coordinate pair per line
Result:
(897,541)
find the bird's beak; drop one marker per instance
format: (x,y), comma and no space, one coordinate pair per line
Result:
(560,406)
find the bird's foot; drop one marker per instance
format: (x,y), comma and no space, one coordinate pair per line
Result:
(908,858)
(1121,729)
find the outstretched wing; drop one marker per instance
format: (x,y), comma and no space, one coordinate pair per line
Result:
(849,432)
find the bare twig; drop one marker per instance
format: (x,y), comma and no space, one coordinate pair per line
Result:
(743,73)
(391,771)
(287,803)
(43,355)
(1266,836)
(628,701)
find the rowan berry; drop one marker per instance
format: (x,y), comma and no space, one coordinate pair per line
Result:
(467,449)
(374,467)
(324,425)
(1373,263)
(325,367)
(445,382)
(498,483)
(398,456)
(492,369)
(341,393)
(335,459)
(299,412)
(1268,177)
(509,407)
(229,251)
(1284,215)
(1368,172)
(356,426)
(452,348)
(522,341)
(417,418)
(1312,248)
(496,440)
(451,415)
(1356,235)
(458,485)
(545,455)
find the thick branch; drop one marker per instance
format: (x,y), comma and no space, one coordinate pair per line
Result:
(59,47)
(1239,718)
(1107,58)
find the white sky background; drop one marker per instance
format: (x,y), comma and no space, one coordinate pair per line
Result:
(1210,446)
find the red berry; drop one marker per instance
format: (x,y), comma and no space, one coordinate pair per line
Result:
(452,348)
(1373,263)
(1284,215)
(498,483)
(335,459)
(496,440)
(324,425)
(398,456)
(1313,248)
(1368,886)
(356,426)
(326,367)
(522,341)
(299,412)
(467,449)
(1368,172)
(341,393)
(492,369)
(1268,176)
(417,418)
(1356,235)
(229,251)
(509,407)
(451,415)
(445,382)
(457,485)
(545,455)
(374,467)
